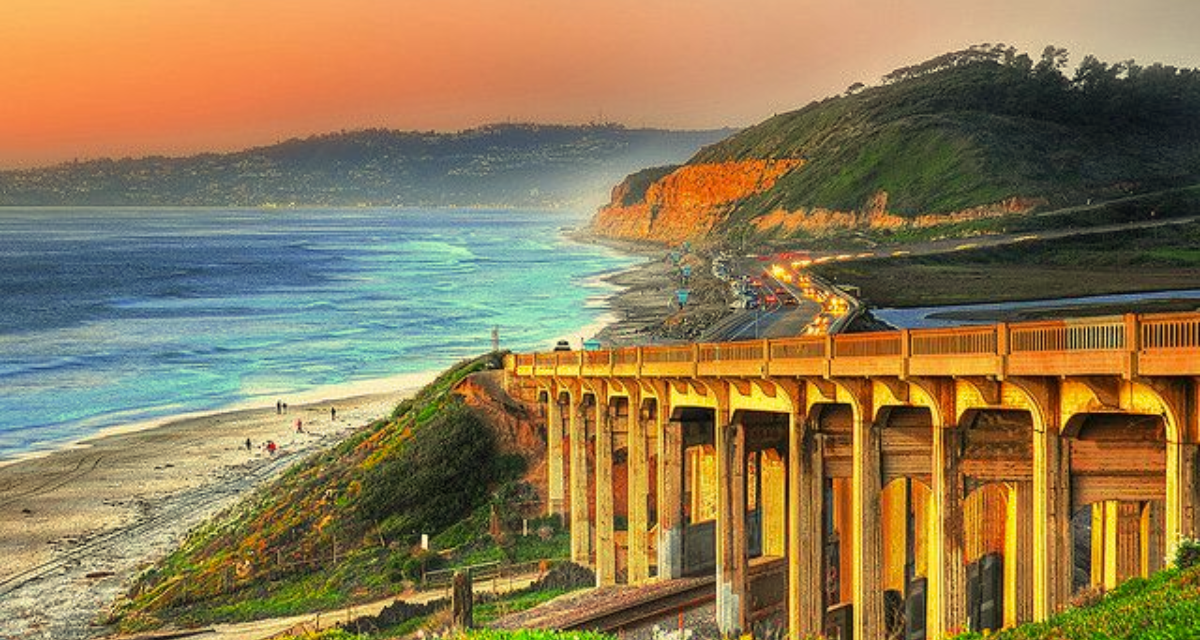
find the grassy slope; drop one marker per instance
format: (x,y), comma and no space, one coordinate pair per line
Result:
(274,554)
(956,138)
(1165,606)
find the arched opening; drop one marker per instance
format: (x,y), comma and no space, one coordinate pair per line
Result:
(997,469)
(1118,484)
(834,425)
(905,506)
(987,530)
(765,512)
(906,438)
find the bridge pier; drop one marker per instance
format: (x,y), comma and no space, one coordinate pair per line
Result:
(556,405)
(670,498)
(581,552)
(732,600)
(606,552)
(867,532)
(806,529)
(639,489)
(947,575)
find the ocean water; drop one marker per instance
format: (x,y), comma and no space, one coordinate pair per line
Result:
(114,316)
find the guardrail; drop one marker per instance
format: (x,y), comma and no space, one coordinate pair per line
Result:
(1128,345)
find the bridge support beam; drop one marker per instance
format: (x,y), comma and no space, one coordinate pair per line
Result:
(1018,557)
(1052,551)
(806,530)
(639,489)
(554,455)
(606,552)
(865,507)
(947,575)
(732,600)
(580,526)
(670,497)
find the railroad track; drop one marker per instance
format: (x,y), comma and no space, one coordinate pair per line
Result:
(666,605)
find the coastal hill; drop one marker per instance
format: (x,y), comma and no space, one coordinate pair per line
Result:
(525,165)
(458,461)
(980,133)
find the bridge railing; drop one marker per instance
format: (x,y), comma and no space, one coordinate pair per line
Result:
(1161,344)
(971,351)
(1169,343)
(1070,347)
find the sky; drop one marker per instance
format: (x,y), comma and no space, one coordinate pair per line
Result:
(83,79)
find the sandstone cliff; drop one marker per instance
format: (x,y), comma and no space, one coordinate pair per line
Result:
(688,202)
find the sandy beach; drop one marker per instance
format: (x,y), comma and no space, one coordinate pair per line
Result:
(77,524)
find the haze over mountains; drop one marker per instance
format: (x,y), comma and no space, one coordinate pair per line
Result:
(522,165)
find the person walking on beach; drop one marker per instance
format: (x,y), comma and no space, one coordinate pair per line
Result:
(278,407)
(332,414)
(248,444)
(299,426)
(271,447)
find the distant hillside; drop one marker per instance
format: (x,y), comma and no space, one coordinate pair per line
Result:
(983,132)
(497,165)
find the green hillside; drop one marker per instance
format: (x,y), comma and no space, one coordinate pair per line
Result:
(342,526)
(978,126)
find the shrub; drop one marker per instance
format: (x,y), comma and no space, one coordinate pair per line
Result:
(437,478)
(1188,553)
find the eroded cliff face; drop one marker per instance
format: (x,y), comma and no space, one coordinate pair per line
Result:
(688,202)
(820,221)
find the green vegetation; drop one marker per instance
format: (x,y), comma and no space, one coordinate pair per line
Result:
(1152,259)
(341,526)
(979,126)
(1165,606)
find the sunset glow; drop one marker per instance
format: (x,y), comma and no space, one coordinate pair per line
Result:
(88,78)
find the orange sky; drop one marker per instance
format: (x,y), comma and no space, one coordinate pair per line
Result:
(89,78)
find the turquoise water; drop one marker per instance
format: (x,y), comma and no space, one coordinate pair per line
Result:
(112,316)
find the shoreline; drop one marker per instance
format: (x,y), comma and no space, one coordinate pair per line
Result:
(334,393)
(79,520)
(77,523)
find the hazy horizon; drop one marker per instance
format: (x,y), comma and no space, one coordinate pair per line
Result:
(133,78)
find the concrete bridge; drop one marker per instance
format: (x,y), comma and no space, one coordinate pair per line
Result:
(895,484)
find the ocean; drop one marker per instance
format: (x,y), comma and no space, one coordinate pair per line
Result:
(112,316)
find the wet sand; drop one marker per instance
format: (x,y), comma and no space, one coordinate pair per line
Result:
(76,525)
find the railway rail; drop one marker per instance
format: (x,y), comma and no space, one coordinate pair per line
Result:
(661,606)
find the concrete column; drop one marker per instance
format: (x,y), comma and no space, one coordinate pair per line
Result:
(606,552)
(580,527)
(731,530)
(1023,598)
(806,531)
(639,488)
(554,457)
(868,530)
(1181,503)
(1052,563)
(670,497)
(947,603)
